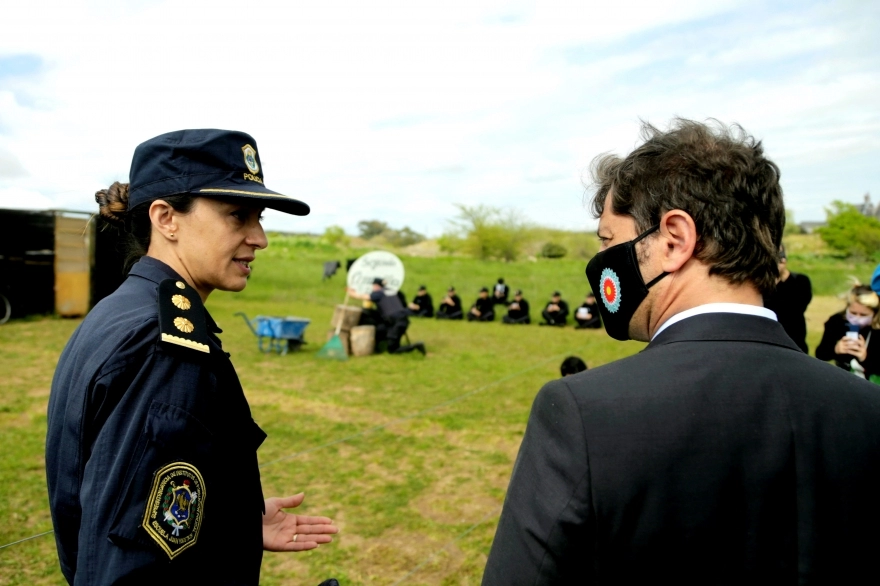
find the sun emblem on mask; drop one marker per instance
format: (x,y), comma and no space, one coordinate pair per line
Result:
(610,290)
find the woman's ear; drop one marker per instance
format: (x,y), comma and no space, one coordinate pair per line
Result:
(679,232)
(164,219)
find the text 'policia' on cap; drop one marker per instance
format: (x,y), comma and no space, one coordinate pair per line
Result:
(206,162)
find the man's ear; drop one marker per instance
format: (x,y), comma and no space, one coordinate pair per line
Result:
(163,218)
(679,233)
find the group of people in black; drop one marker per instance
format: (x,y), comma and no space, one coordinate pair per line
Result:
(555,313)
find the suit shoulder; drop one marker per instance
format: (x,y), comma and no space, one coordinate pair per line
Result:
(623,369)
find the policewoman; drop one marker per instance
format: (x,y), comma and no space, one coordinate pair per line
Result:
(151,452)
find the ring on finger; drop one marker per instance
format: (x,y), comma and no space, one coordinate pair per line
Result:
(294,537)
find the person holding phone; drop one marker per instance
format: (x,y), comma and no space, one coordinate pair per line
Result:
(848,335)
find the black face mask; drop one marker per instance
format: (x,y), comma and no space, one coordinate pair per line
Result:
(615,276)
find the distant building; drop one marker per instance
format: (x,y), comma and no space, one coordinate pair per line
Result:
(810,227)
(868,208)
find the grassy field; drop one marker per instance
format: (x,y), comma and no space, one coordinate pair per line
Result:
(427,443)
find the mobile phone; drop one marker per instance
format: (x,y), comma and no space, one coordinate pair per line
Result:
(852,332)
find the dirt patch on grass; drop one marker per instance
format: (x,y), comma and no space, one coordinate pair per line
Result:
(391,556)
(330,411)
(450,503)
(39,392)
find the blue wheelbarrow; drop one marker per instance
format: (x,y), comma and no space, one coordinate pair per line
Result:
(281,333)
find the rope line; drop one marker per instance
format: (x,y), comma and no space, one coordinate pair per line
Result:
(373,429)
(457,539)
(412,415)
(27,539)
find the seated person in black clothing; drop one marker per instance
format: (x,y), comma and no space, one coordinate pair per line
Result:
(556,312)
(790,300)
(587,315)
(483,309)
(450,306)
(849,335)
(572,365)
(518,310)
(422,305)
(500,293)
(393,315)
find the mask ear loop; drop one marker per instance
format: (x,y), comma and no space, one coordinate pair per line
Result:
(638,239)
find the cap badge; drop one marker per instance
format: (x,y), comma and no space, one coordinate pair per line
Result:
(184,325)
(250,158)
(610,290)
(181,302)
(174,510)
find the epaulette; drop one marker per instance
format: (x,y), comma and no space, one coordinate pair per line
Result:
(182,316)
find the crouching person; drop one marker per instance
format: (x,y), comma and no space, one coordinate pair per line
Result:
(393,315)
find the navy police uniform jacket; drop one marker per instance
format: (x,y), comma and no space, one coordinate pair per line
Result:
(721,454)
(151,449)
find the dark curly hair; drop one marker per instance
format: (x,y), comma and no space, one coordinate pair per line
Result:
(720,177)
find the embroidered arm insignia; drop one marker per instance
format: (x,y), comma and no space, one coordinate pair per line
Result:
(174,511)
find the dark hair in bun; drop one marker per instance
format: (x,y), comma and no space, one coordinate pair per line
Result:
(113,203)
(134,225)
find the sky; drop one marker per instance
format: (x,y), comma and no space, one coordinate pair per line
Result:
(399,110)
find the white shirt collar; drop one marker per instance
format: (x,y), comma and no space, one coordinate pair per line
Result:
(740,308)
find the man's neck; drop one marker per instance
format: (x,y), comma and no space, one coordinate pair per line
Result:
(686,291)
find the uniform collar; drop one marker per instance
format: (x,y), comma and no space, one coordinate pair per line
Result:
(153,269)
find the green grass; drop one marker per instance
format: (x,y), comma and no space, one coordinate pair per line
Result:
(399,493)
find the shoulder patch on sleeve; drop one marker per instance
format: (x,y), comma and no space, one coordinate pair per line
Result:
(182,316)
(174,510)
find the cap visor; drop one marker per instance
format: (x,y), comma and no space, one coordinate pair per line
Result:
(259,195)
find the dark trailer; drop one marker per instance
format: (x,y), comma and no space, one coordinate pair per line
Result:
(56,261)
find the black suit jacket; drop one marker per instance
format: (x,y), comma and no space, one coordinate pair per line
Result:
(720,454)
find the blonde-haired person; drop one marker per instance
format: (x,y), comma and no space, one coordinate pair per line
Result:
(848,339)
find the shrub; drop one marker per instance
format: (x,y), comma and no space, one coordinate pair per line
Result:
(487,232)
(406,236)
(850,232)
(450,243)
(553,250)
(335,236)
(790,226)
(371,228)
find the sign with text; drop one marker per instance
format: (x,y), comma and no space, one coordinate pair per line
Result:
(376,265)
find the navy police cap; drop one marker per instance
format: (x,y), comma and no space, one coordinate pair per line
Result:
(206,162)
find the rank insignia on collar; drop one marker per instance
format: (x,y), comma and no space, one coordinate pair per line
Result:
(182,316)
(175,508)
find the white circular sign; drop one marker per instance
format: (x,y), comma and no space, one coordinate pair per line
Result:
(376,265)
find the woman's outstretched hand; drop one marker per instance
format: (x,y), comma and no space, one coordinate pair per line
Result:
(288,532)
